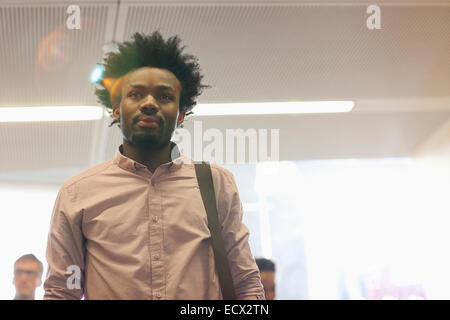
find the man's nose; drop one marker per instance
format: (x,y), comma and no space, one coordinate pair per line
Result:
(149,104)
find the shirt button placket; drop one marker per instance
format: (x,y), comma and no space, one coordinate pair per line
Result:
(156,245)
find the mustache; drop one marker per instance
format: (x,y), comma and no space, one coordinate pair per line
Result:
(140,116)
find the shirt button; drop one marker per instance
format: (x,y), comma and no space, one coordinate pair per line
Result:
(158,295)
(156,257)
(155,219)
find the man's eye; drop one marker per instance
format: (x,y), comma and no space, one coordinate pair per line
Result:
(166,97)
(133,94)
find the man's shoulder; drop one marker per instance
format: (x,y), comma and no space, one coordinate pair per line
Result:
(222,177)
(218,169)
(88,174)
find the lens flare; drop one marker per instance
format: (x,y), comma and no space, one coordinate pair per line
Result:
(96,74)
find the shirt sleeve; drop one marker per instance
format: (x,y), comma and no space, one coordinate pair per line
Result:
(244,271)
(65,252)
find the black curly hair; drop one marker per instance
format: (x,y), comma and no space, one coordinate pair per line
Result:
(265,264)
(153,51)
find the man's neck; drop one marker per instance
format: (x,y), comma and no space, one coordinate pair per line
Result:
(150,157)
(23,297)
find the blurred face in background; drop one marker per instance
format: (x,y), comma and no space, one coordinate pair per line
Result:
(27,277)
(268,282)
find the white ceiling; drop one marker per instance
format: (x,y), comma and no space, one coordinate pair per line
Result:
(250,51)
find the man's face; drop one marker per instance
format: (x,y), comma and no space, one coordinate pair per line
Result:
(27,277)
(268,282)
(149,107)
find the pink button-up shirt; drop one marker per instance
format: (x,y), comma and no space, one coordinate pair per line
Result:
(134,234)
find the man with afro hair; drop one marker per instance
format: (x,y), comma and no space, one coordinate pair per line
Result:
(135,227)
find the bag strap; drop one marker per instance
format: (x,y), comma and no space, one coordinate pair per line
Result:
(205,182)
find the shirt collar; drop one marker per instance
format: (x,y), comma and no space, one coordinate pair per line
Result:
(131,165)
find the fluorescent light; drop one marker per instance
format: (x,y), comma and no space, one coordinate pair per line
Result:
(217,109)
(34,114)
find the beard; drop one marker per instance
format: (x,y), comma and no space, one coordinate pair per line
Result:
(154,138)
(148,140)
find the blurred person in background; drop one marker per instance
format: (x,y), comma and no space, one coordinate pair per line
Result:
(267,272)
(27,276)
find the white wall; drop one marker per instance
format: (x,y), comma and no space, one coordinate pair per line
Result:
(336,221)
(433,161)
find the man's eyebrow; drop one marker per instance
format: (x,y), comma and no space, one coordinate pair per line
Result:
(160,87)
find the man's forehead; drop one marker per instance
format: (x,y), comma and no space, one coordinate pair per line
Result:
(267,274)
(150,76)
(26,263)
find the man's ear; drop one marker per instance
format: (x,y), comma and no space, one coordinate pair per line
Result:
(109,83)
(116,113)
(181,118)
(114,86)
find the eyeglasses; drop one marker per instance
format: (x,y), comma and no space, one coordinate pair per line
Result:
(30,273)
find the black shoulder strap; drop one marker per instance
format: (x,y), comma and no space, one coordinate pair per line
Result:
(205,182)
